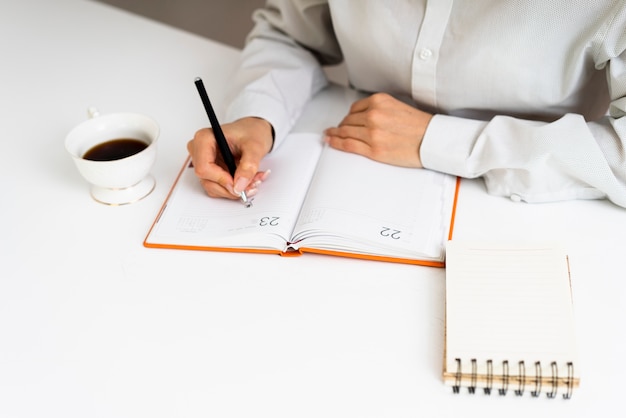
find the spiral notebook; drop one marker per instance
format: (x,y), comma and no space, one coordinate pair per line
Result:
(509,320)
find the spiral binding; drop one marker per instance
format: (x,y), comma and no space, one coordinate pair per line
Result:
(523,380)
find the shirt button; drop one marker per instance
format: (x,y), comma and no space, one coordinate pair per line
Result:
(425,54)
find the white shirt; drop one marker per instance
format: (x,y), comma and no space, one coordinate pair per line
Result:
(528,94)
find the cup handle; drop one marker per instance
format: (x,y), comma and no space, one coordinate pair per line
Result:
(92,112)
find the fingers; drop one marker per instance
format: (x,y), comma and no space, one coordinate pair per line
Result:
(352,134)
(258,179)
(249,146)
(381,128)
(364,117)
(202,149)
(355,131)
(362,105)
(215,180)
(349,139)
(247,167)
(250,152)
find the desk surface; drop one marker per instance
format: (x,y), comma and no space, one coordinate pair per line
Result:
(94,324)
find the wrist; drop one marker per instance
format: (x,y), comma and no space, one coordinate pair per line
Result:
(265,130)
(422,135)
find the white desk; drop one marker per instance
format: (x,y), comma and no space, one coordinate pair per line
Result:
(94,325)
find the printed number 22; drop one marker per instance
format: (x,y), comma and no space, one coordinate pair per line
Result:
(391,233)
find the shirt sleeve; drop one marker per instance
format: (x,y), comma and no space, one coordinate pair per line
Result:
(532,161)
(281,64)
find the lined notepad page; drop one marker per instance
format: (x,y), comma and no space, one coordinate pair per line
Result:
(508,303)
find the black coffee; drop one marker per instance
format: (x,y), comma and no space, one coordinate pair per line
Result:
(115,149)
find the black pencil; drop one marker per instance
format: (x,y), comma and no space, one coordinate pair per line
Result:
(227,155)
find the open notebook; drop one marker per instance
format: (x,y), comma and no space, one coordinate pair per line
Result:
(321,200)
(509,319)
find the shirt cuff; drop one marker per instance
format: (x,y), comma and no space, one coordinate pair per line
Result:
(448,143)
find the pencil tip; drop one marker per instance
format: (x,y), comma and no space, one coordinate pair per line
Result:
(247,202)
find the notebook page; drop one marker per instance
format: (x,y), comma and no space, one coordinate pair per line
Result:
(376,208)
(508,303)
(191,218)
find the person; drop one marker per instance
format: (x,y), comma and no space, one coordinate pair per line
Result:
(527,94)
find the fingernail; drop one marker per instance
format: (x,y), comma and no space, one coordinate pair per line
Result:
(258,182)
(241,185)
(251,192)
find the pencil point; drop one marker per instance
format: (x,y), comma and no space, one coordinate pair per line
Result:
(247,202)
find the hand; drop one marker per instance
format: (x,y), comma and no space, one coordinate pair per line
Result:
(382,128)
(250,139)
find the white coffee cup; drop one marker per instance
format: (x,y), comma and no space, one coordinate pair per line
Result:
(118,181)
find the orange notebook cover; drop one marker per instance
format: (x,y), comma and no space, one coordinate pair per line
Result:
(317,200)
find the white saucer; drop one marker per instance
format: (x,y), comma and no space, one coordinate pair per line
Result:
(126,196)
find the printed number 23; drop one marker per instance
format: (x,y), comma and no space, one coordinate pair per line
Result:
(269,221)
(391,233)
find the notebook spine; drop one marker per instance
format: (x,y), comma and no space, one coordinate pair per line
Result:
(519,380)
